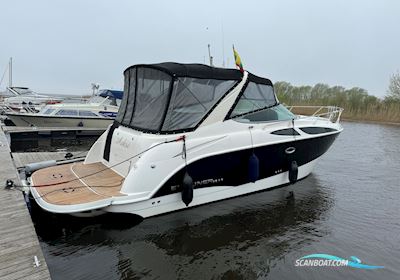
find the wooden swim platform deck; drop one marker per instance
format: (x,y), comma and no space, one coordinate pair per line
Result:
(19,244)
(76,183)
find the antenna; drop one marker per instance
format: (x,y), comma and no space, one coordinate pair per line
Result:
(10,73)
(223,45)
(209,55)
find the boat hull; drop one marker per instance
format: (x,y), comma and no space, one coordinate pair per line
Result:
(173,202)
(216,176)
(54,121)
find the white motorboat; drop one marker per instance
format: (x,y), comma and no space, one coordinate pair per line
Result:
(186,135)
(22,99)
(98,112)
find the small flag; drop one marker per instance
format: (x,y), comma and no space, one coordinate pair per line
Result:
(238,61)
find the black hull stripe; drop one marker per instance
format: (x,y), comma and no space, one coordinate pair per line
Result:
(231,169)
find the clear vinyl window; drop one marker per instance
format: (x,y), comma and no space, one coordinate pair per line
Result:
(151,98)
(255,97)
(191,100)
(157,101)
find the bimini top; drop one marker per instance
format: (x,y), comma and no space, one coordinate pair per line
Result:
(200,71)
(172,97)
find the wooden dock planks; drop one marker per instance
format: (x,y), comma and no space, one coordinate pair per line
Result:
(19,243)
(22,159)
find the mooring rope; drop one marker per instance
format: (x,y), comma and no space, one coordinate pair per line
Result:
(21,188)
(109,167)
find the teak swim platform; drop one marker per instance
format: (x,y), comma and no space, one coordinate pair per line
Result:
(77,183)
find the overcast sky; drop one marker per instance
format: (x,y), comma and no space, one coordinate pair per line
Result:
(64,46)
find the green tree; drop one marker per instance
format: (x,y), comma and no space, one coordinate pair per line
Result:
(283,91)
(393,92)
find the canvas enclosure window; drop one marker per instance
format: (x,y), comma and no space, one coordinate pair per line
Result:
(192,99)
(145,98)
(125,111)
(152,92)
(255,97)
(158,99)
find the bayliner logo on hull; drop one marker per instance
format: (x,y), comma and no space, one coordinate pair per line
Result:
(208,181)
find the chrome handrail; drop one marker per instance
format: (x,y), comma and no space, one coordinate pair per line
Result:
(333,112)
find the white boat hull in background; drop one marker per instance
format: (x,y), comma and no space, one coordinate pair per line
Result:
(54,121)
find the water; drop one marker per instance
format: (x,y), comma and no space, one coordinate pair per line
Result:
(349,206)
(53,145)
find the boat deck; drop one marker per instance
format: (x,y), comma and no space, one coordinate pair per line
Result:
(76,183)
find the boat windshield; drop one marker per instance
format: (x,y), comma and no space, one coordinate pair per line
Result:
(156,101)
(47,111)
(274,113)
(255,97)
(21,90)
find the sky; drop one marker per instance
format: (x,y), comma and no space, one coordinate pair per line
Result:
(64,46)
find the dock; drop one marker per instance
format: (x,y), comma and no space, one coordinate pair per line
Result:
(48,130)
(49,139)
(21,256)
(33,133)
(22,159)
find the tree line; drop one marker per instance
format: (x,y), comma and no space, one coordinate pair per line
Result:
(357,103)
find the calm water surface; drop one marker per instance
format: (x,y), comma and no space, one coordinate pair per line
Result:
(349,206)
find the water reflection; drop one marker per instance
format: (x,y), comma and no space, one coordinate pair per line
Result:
(237,238)
(251,219)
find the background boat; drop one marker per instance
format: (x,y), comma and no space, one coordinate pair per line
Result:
(98,112)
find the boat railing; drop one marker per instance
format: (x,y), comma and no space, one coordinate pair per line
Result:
(30,109)
(332,113)
(4,108)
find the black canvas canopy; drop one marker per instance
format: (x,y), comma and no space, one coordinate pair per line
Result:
(199,71)
(173,97)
